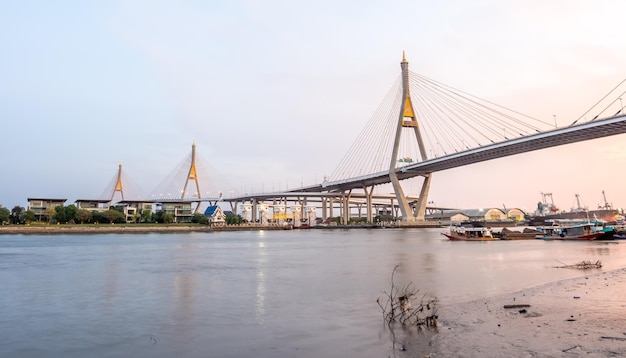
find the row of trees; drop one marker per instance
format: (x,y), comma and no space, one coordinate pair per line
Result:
(61,214)
(72,215)
(15,216)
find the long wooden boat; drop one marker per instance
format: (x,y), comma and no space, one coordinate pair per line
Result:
(584,231)
(460,233)
(525,234)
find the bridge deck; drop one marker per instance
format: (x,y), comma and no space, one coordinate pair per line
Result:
(572,134)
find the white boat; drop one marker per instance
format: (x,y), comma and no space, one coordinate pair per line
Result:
(461,233)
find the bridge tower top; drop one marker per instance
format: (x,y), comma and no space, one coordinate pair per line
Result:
(192,174)
(407,119)
(118,188)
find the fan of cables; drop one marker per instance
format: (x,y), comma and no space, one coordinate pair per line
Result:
(449,121)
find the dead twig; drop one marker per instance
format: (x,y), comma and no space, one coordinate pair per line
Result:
(399,305)
(569,349)
(614,338)
(583,265)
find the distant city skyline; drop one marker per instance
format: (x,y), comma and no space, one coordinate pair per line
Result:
(275,93)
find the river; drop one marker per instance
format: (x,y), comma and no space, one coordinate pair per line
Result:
(307,293)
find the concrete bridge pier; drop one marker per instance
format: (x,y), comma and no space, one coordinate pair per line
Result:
(368,203)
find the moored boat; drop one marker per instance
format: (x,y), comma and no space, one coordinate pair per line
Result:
(461,233)
(583,231)
(525,234)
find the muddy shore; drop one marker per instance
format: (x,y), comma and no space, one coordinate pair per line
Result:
(581,317)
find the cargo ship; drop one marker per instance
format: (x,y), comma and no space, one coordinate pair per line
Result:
(547,212)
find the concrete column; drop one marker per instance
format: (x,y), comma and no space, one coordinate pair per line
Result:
(423,199)
(330,208)
(368,201)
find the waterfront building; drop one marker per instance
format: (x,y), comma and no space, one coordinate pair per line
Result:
(181,210)
(92,204)
(216,215)
(134,207)
(39,206)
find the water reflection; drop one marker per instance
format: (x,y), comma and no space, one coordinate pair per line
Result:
(184,279)
(603,250)
(259,312)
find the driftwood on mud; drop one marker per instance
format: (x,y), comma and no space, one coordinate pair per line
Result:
(614,338)
(583,265)
(401,305)
(517,306)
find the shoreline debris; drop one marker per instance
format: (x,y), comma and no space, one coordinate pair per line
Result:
(402,304)
(582,265)
(517,306)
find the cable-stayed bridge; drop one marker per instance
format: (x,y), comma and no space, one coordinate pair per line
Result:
(193,181)
(419,128)
(422,127)
(560,136)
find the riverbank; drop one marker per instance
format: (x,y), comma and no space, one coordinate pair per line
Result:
(42,229)
(128,229)
(585,316)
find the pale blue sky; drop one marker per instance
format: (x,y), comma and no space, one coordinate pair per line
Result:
(274,92)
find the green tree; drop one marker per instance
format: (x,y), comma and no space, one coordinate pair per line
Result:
(113,215)
(199,218)
(59,214)
(29,216)
(119,208)
(96,217)
(168,218)
(233,219)
(158,217)
(49,213)
(16,214)
(5,215)
(146,216)
(70,213)
(83,215)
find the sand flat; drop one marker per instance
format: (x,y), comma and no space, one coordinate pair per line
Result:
(585,316)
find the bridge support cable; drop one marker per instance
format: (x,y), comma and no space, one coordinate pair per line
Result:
(608,101)
(449,118)
(207,184)
(369,152)
(122,187)
(470,121)
(450,121)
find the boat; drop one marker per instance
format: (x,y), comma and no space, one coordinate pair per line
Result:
(547,211)
(597,225)
(461,233)
(619,235)
(525,234)
(579,231)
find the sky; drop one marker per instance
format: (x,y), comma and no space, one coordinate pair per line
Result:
(273,93)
